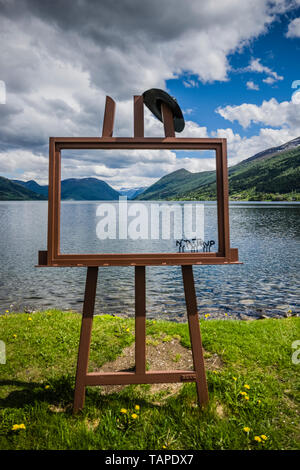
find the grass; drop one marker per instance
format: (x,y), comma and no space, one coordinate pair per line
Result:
(37,384)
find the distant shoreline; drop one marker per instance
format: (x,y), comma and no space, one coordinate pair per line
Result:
(231,201)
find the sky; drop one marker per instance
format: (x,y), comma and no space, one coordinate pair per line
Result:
(233,67)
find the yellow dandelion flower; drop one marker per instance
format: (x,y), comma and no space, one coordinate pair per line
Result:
(246,429)
(164,447)
(127,329)
(137,407)
(46,387)
(14,336)
(257,438)
(246,397)
(123,410)
(207,315)
(6,311)
(234,378)
(29,318)
(134,416)
(243,393)
(247,386)
(259,401)
(264,437)
(16,427)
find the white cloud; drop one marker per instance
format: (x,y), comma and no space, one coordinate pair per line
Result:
(59,63)
(187,111)
(192,129)
(251,85)
(256,66)
(294,29)
(285,115)
(240,148)
(270,113)
(189,83)
(227,134)
(23,164)
(269,80)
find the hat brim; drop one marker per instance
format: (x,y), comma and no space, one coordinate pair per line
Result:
(153,99)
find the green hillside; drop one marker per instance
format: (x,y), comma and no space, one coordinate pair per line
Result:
(90,189)
(33,186)
(76,189)
(178,182)
(278,174)
(10,191)
(272,177)
(273,174)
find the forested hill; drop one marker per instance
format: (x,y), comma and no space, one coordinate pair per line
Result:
(11,191)
(270,175)
(76,189)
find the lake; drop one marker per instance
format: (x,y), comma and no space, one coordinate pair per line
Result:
(267,283)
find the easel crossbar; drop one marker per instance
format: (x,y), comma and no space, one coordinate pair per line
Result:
(128,378)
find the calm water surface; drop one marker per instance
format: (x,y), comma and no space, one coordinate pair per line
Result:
(266,234)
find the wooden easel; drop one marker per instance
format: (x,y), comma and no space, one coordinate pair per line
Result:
(53,257)
(140,376)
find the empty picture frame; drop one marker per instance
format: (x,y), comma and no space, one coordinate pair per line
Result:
(53,257)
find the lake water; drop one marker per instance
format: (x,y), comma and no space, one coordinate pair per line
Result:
(266,234)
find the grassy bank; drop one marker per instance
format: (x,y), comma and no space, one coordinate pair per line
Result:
(252,384)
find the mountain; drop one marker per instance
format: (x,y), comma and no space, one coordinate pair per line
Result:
(87,189)
(82,189)
(179,182)
(268,174)
(273,174)
(11,191)
(291,144)
(133,192)
(90,189)
(33,186)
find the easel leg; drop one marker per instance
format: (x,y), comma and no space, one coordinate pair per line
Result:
(140,319)
(195,335)
(85,337)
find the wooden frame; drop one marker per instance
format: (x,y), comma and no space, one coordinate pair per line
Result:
(53,257)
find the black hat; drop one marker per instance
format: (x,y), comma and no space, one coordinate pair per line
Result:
(155,97)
